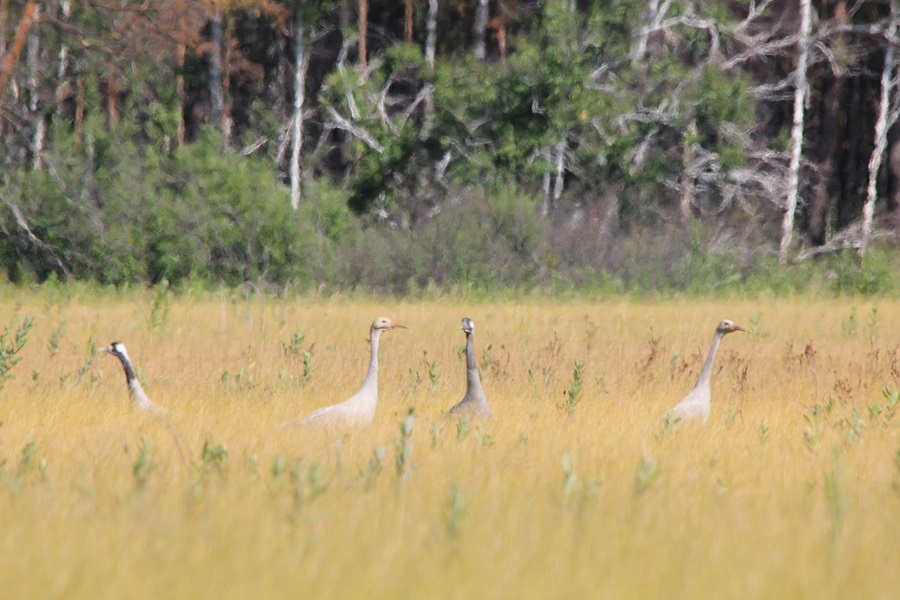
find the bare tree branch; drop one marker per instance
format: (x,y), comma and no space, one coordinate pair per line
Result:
(341,123)
(35,240)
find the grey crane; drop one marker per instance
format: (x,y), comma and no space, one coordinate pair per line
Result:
(695,406)
(474,401)
(359,409)
(136,391)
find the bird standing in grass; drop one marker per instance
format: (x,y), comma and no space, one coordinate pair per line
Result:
(135,389)
(474,401)
(696,404)
(359,409)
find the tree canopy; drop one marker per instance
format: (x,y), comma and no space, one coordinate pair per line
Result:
(157,140)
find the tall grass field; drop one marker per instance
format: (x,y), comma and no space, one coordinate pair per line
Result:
(578,488)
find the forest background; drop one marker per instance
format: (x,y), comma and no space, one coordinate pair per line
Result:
(393,147)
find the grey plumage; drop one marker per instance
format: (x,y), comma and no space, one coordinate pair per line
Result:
(695,406)
(359,409)
(474,401)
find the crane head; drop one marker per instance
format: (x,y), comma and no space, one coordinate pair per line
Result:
(468,325)
(117,349)
(726,326)
(385,324)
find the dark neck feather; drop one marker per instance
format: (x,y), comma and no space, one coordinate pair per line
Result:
(129,370)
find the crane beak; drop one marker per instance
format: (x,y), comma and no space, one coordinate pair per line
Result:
(395,325)
(737,328)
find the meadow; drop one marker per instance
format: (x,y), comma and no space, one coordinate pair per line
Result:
(577,487)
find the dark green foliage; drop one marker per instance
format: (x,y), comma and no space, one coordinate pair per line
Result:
(410,201)
(198,213)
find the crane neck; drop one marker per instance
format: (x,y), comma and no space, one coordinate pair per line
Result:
(134,385)
(473,377)
(130,377)
(706,373)
(372,374)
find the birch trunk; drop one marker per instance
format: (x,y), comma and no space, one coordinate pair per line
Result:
(431,33)
(299,91)
(226,123)
(881,128)
(62,71)
(801,86)
(559,180)
(430,45)
(34,102)
(481,19)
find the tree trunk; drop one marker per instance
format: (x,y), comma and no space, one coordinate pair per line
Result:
(560,172)
(29,16)
(546,187)
(431,34)
(216,101)
(827,188)
(430,45)
(853,185)
(34,99)
(881,128)
(179,94)
(501,36)
(79,110)
(480,29)
(342,138)
(408,22)
(801,86)
(893,199)
(363,31)
(299,93)
(689,155)
(4,19)
(62,71)
(226,123)
(112,91)
(831,129)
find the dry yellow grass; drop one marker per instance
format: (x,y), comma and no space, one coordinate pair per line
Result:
(766,500)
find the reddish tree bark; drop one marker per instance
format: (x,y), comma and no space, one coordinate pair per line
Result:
(12,57)
(363,25)
(408,22)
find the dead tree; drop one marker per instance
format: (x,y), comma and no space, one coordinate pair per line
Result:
(801,89)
